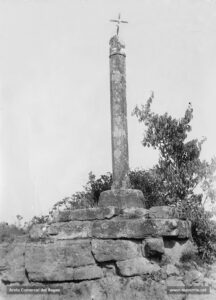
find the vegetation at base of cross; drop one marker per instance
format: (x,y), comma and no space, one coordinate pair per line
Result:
(143,180)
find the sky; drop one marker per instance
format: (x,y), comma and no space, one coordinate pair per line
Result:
(54,88)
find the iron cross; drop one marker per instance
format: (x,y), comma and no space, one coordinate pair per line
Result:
(119,21)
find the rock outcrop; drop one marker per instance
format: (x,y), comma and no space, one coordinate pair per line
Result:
(100,253)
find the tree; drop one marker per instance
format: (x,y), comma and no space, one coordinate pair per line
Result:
(180,171)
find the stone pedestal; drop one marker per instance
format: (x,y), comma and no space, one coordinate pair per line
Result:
(97,253)
(122,198)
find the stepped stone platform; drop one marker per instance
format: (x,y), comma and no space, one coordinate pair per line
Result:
(96,253)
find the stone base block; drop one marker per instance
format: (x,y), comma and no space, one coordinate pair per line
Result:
(137,266)
(122,198)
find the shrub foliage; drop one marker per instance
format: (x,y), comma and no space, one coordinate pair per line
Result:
(180,171)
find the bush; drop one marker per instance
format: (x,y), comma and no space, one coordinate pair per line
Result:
(9,232)
(148,183)
(88,197)
(204,234)
(95,187)
(202,227)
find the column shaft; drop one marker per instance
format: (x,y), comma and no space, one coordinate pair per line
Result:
(118,103)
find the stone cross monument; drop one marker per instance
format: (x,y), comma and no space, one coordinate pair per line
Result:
(118,105)
(120,195)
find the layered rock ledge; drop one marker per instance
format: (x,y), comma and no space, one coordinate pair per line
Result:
(87,250)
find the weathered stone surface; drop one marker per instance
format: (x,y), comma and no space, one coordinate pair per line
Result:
(12,265)
(171,270)
(173,227)
(123,228)
(106,250)
(136,266)
(174,248)
(153,246)
(140,228)
(119,132)
(129,224)
(192,277)
(87,272)
(109,269)
(96,213)
(55,261)
(175,281)
(70,230)
(134,213)
(3,253)
(115,288)
(162,212)
(122,198)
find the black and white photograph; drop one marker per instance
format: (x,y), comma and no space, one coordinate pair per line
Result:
(107,149)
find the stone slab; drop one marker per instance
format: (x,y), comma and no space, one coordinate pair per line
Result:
(134,213)
(12,266)
(193,277)
(137,266)
(96,213)
(140,228)
(56,261)
(153,246)
(87,272)
(171,270)
(115,288)
(70,230)
(108,250)
(122,198)
(173,227)
(123,228)
(162,212)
